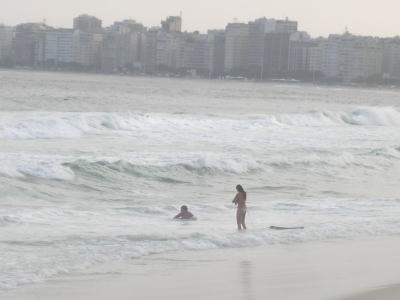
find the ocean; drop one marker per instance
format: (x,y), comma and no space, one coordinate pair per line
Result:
(93,168)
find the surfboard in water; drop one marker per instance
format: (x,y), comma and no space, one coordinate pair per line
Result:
(185,220)
(285,228)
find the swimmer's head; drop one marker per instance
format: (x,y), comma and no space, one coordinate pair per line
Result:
(184,208)
(239,188)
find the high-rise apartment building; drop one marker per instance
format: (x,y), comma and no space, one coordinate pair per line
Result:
(315,57)
(276,55)
(6,42)
(255,48)
(86,47)
(347,57)
(391,58)
(194,54)
(172,24)
(124,47)
(216,40)
(55,48)
(280,26)
(368,58)
(278,35)
(151,50)
(26,38)
(164,47)
(259,49)
(86,23)
(299,54)
(236,41)
(168,47)
(87,41)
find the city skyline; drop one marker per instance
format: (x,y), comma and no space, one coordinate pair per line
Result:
(260,49)
(318,19)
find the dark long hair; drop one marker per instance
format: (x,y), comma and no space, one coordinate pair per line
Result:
(240,189)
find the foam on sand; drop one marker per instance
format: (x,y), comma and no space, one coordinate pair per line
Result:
(316,271)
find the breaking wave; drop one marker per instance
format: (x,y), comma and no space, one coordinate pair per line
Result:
(181,167)
(157,166)
(73,125)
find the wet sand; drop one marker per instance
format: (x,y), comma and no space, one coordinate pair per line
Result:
(320,271)
(388,293)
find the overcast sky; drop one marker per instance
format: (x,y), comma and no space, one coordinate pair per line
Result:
(318,17)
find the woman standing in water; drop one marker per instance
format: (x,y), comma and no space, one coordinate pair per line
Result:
(240,201)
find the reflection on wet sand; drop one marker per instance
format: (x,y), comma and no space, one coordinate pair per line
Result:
(246,273)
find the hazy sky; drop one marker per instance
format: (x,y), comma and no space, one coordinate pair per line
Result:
(318,17)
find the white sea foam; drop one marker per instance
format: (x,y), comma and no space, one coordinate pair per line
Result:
(72,125)
(376,116)
(46,167)
(76,251)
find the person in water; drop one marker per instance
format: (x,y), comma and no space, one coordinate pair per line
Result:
(240,202)
(184,214)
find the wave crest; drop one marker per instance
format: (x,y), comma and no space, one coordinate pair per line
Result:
(74,125)
(164,167)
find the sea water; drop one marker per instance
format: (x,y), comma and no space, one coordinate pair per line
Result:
(93,167)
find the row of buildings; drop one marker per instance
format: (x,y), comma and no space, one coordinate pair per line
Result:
(261,49)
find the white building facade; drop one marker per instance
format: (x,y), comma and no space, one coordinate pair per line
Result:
(236,38)
(55,47)
(86,48)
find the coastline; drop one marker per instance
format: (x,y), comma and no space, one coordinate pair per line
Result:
(289,82)
(314,271)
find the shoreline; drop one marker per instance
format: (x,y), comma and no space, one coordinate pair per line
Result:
(217,79)
(314,271)
(391,292)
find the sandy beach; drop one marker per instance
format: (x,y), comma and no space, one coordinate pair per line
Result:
(348,270)
(389,293)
